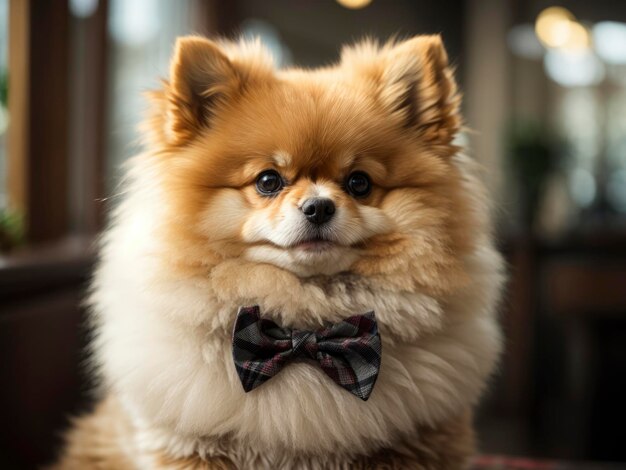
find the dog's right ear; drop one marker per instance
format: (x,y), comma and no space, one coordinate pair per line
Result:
(413,80)
(202,78)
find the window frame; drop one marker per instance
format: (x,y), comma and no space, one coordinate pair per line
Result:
(58,109)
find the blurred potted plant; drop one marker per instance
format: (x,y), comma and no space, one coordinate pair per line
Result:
(11,230)
(4,88)
(11,223)
(533,158)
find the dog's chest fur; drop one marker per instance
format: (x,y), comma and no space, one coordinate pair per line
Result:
(107,439)
(164,346)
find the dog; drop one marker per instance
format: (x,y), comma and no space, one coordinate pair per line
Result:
(294,200)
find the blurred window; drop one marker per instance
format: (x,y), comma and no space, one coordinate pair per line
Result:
(616,146)
(579,102)
(98,56)
(579,121)
(141,37)
(4,114)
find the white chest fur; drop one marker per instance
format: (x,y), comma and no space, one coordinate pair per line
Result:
(164,348)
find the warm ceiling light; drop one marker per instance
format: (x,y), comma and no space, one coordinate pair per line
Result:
(354,4)
(579,37)
(553,26)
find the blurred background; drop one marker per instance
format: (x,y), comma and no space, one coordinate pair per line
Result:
(545,104)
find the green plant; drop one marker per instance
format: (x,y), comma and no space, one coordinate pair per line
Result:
(4,88)
(11,229)
(533,156)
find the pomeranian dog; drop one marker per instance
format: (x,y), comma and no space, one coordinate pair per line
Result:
(300,274)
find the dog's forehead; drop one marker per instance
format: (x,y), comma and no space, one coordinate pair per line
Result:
(316,110)
(310,123)
(315,128)
(310,160)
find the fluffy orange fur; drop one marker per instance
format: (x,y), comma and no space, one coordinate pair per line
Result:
(418,245)
(376,111)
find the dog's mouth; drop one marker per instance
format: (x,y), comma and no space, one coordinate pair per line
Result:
(314,244)
(311,244)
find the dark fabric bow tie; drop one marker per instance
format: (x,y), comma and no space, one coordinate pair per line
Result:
(348,351)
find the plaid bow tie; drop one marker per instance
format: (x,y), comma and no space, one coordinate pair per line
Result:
(348,351)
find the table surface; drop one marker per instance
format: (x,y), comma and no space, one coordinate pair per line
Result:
(513,463)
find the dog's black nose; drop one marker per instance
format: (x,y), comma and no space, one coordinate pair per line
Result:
(318,209)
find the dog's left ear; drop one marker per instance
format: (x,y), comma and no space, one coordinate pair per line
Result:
(205,77)
(415,83)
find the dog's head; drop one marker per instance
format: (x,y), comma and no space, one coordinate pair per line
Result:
(256,178)
(344,168)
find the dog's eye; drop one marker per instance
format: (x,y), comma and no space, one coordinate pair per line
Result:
(358,184)
(269,182)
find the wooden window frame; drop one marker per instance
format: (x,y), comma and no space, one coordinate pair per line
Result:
(39,178)
(54,133)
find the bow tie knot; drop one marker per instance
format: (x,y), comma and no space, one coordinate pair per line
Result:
(348,351)
(304,343)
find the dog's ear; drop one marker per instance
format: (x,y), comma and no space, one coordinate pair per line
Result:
(415,83)
(204,76)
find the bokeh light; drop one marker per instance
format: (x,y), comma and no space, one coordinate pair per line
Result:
(354,4)
(609,38)
(573,68)
(553,26)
